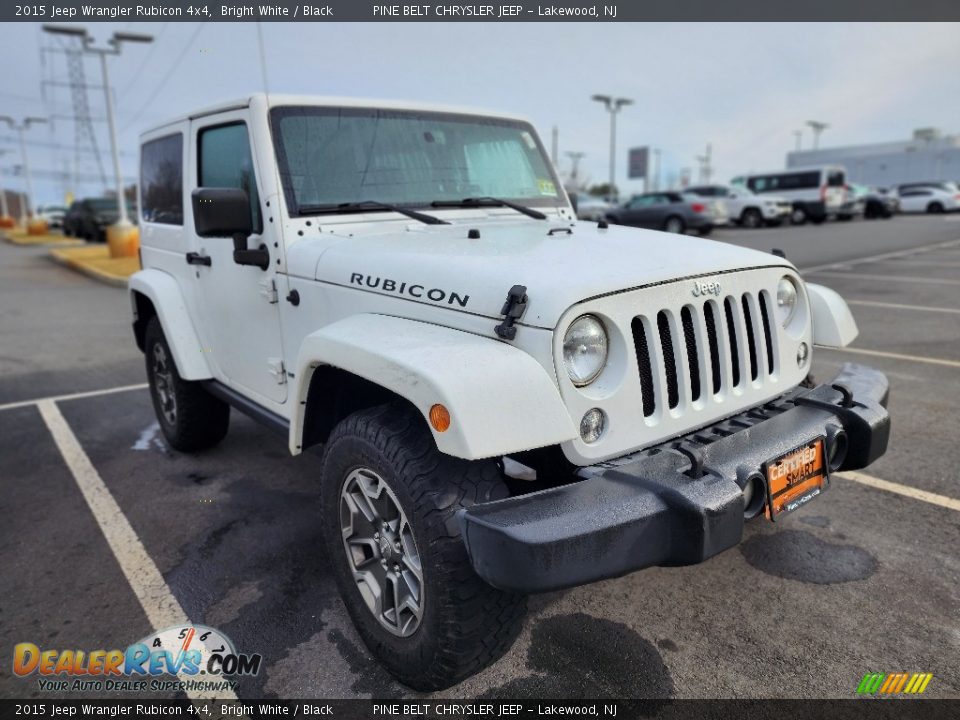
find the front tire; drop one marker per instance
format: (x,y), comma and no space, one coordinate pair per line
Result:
(798,216)
(390,502)
(191,419)
(751,218)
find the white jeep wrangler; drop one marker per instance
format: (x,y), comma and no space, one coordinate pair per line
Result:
(507,400)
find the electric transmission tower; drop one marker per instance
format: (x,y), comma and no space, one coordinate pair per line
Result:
(86,146)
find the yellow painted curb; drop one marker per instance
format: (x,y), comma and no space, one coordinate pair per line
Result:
(19,237)
(95,262)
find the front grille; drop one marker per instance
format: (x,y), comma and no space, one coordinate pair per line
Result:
(682,356)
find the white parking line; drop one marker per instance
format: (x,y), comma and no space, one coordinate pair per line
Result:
(894,278)
(922,263)
(883,256)
(895,356)
(905,490)
(74,396)
(156,599)
(898,306)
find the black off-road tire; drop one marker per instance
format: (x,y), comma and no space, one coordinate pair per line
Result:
(199,420)
(466,624)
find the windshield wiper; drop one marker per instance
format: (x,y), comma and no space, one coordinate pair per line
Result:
(489,202)
(362,205)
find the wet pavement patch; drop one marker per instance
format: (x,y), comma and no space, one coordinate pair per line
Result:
(800,555)
(578,656)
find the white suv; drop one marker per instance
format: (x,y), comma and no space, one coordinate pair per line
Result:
(746,208)
(406,288)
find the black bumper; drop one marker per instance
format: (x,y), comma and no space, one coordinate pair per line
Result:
(676,504)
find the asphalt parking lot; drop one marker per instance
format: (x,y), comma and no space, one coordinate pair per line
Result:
(866,579)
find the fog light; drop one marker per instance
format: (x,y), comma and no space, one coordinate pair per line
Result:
(592,425)
(802,353)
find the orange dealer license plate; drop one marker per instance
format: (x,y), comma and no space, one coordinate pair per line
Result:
(796,478)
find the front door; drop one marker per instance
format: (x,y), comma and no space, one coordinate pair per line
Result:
(240,318)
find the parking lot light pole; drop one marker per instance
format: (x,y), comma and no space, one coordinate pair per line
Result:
(5,220)
(23,126)
(817,127)
(613,105)
(124,240)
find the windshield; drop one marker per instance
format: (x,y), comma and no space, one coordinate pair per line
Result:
(329,156)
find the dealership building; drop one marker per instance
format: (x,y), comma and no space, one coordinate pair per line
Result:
(929,156)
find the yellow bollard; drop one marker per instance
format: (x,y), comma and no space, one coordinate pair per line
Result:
(37,226)
(123,240)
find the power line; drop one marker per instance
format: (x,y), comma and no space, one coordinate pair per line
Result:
(166,78)
(146,59)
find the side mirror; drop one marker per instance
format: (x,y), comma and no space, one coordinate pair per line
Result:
(225,212)
(221,212)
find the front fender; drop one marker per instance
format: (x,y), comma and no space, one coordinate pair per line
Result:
(833,323)
(500,399)
(164,292)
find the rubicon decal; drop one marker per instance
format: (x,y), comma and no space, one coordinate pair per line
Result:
(188,650)
(894,683)
(413,290)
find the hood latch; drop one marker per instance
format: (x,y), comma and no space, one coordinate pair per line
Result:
(513,310)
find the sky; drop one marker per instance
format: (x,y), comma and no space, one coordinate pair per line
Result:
(743,88)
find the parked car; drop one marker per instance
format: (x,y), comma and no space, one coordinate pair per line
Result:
(659,390)
(816,193)
(854,203)
(744,207)
(877,202)
(52,214)
(591,207)
(929,197)
(667,211)
(90,217)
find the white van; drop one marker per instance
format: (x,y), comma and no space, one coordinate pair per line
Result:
(816,192)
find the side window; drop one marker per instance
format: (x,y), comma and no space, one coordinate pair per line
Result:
(226,162)
(835,178)
(161,180)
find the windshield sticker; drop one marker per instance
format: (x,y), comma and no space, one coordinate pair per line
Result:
(547,187)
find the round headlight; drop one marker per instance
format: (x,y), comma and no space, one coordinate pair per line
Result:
(584,349)
(786,299)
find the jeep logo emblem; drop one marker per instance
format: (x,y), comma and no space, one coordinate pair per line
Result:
(706,288)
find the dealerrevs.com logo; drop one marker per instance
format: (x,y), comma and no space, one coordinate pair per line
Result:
(200,658)
(894,683)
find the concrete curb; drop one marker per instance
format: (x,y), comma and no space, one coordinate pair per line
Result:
(95,273)
(43,241)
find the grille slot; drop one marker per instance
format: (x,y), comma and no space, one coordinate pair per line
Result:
(751,340)
(642,348)
(712,341)
(693,360)
(767,334)
(732,335)
(669,359)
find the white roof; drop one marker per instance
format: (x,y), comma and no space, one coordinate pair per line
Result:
(275,99)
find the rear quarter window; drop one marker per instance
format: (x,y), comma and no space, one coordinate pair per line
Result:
(161,180)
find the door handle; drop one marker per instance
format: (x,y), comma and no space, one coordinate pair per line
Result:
(198,259)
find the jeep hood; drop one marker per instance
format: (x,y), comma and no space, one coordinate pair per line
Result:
(558,270)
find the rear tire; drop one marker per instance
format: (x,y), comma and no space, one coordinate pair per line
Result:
(751,218)
(674,224)
(191,418)
(935,208)
(383,477)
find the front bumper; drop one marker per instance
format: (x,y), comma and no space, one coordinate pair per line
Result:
(675,504)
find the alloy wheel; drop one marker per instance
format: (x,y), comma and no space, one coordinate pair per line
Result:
(381,551)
